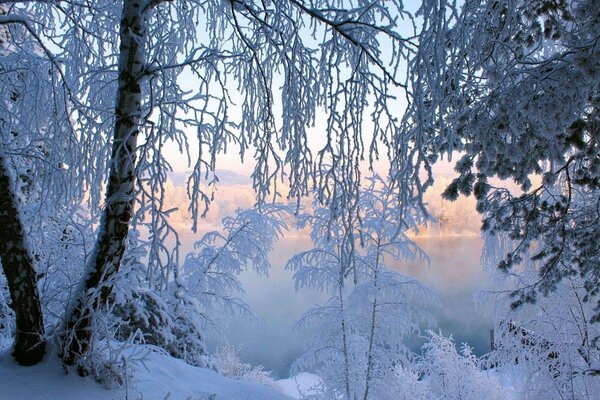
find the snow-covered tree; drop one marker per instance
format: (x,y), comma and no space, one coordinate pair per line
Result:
(18,266)
(205,292)
(39,188)
(514,87)
(549,348)
(359,331)
(211,272)
(143,73)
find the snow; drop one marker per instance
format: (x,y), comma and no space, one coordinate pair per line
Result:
(510,380)
(159,377)
(305,383)
(301,384)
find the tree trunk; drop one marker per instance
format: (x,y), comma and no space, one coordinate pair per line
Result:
(345,349)
(373,324)
(114,223)
(17,263)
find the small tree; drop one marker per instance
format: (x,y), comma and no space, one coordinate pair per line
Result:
(360,330)
(205,291)
(210,274)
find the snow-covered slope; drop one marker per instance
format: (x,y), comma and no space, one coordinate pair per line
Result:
(299,385)
(160,377)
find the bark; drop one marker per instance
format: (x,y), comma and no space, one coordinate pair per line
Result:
(116,216)
(373,324)
(17,263)
(344,338)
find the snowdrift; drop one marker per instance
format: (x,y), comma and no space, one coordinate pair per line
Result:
(158,377)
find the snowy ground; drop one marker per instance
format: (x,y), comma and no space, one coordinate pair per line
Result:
(301,384)
(159,378)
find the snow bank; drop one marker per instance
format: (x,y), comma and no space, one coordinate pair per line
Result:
(160,377)
(301,384)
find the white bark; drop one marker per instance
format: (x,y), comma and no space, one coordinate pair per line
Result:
(114,225)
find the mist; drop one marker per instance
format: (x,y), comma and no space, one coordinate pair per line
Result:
(454,273)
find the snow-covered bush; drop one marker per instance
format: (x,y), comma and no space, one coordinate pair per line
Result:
(105,366)
(170,323)
(169,319)
(412,387)
(204,292)
(227,362)
(455,375)
(551,345)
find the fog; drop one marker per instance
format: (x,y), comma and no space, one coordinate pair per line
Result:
(454,273)
(452,244)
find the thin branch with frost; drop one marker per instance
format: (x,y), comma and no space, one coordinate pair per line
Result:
(360,329)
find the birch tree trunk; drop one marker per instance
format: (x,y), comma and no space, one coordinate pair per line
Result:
(17,263)
(368,377)
(114,223)
(344,337)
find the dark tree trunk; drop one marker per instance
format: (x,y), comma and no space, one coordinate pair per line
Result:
(114,223)
(17,263)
